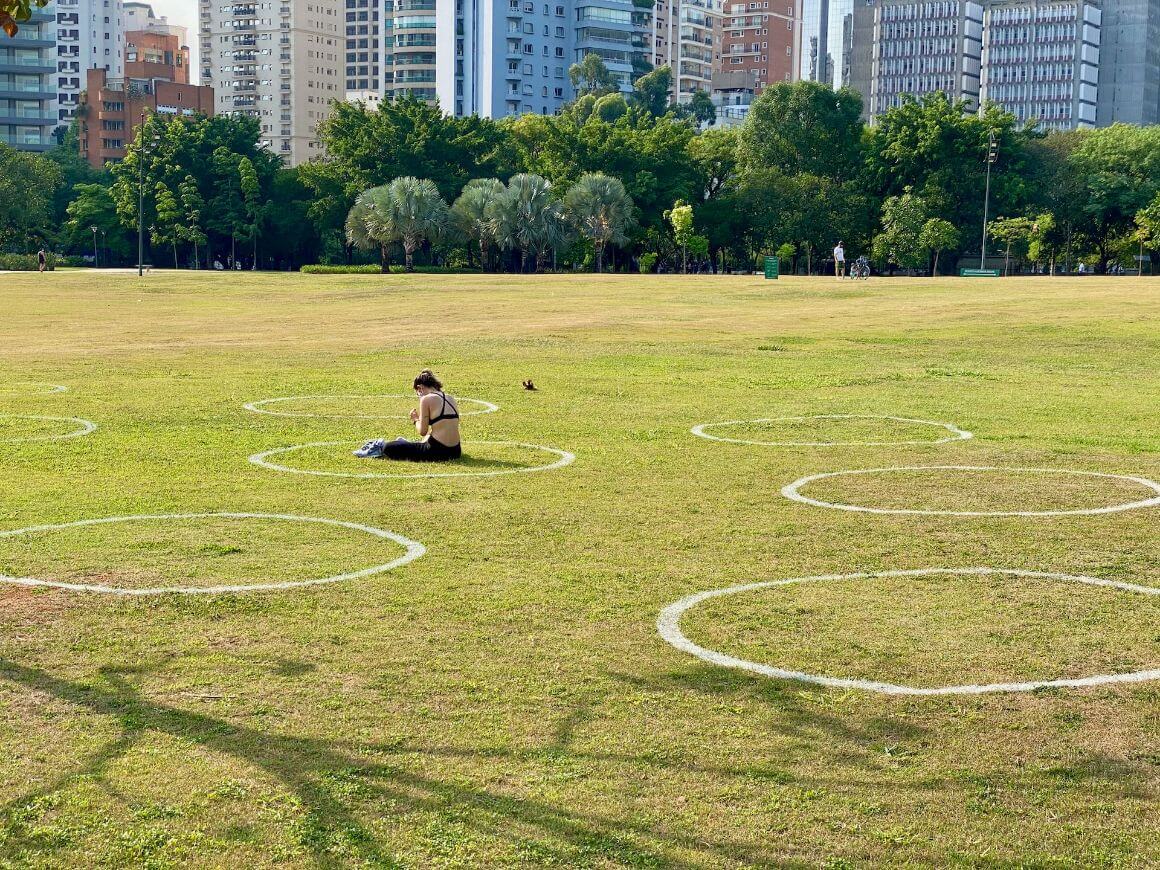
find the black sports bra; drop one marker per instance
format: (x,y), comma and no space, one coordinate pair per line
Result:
(443,415)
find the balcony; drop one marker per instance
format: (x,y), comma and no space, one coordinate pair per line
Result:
(245,25)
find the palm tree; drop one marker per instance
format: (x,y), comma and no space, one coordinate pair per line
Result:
(528,219)
(360,226)
(475,211)
(413,213)
(601,210)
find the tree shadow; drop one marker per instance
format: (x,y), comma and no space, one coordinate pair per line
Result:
(332,780)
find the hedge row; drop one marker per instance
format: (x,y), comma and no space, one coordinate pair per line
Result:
(320,269)
(22,262)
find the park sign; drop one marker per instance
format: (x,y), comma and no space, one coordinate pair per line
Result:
(978,273)
(771,267)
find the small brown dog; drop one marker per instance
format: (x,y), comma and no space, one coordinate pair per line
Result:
(528,385)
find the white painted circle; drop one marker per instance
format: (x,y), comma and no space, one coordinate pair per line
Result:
(566,458)
(668,625)
(84,427)
(792,492)
(38,388)
(258,407)
(414,551)
(956,434)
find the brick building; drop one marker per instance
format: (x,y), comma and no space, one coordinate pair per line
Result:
(152,55)
(761,38)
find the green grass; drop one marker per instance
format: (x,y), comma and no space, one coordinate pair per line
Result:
(506,700)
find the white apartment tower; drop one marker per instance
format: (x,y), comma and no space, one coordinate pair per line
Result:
(89,34)
(1041,61)
(687,37)
(280,61)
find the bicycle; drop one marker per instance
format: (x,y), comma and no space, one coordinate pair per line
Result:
(860,269)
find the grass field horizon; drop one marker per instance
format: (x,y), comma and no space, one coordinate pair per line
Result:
(505,698)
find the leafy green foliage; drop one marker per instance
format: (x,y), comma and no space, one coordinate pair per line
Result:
(904,218)
(601,210)
(592,76)
(27,186)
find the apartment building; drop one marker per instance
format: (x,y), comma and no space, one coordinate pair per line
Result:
(140,16)
(907,48)
(1129,78)
(154,54)
(111,109)
(1041,61)
(89,35)
(760,37)
(687,37)
(497,58)
(28,87)
(280,61)
(369,49)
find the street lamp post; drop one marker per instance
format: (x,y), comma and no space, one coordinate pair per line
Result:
(992,156)
(141,201)
(94,229)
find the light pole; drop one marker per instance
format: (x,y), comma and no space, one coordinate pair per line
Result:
(992,156)
(94,229)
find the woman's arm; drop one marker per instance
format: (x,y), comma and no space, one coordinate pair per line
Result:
(423,424)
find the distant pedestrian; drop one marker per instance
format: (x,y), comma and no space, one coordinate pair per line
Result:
(41,260)
(839,260)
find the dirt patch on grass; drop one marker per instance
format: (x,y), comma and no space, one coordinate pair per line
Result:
(22,605)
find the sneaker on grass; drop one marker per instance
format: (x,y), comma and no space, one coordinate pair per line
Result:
(373,449)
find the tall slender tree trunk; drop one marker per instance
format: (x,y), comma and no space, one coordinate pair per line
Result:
(175,252)
(599,257)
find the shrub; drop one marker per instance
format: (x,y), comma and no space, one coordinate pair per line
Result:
(23,262)
(320,269)
(648,263)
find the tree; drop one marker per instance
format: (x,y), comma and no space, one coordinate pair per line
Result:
(1040,242)
(169,216)
(193,207)
(653,90)
(680,218)
(803,127)
(938,235)
(410,212)
(591,76)
(601,210)
(474,213)
(27,186)
(702,109)
(1148,227)
(362,230)
(900,241)
(610,108)
(253,204)
(92,206)
(528,219)
(1011,232)
(12,12)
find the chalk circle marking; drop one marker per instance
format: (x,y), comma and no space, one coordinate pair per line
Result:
(792,491)
(956,434)
(566,458)
(84,427)
(669,627)
(43,388)
(413,551)
(258,407)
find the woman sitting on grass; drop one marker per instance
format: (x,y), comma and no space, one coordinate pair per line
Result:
(436,419)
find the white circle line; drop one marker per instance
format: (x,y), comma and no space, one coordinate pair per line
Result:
(566,458)
(52,388)
(413,551)
(488,407)
(957,434)
(792,492)
(86,426)
(669,628)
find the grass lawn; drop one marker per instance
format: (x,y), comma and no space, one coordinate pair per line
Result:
(505,699)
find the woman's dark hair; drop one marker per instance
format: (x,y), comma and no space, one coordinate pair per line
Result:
(426,378)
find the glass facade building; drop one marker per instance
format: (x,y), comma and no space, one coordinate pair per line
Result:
(28,93)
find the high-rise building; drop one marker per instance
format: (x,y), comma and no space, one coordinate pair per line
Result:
(1129,80)
(89,35)
(904,48)
(1041,61)
(825,40)
(140,16)
(687,37)
(28,91)
(281,62)
(510,57)
(761,38)
(369,49)
(414,33)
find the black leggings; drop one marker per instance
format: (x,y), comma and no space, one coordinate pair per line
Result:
(421,451)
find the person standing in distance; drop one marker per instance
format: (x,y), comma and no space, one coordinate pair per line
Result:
(41,260)
(839,260)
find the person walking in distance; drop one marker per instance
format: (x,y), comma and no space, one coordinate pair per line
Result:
(839,260)
(41,260)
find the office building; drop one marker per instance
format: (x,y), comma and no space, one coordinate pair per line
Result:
(1041,61)
(282,62)
(111,109)
(1129,78)
(687,37)
(89,35)
(761,37)
(28,87)
(904,48)
(825,41)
